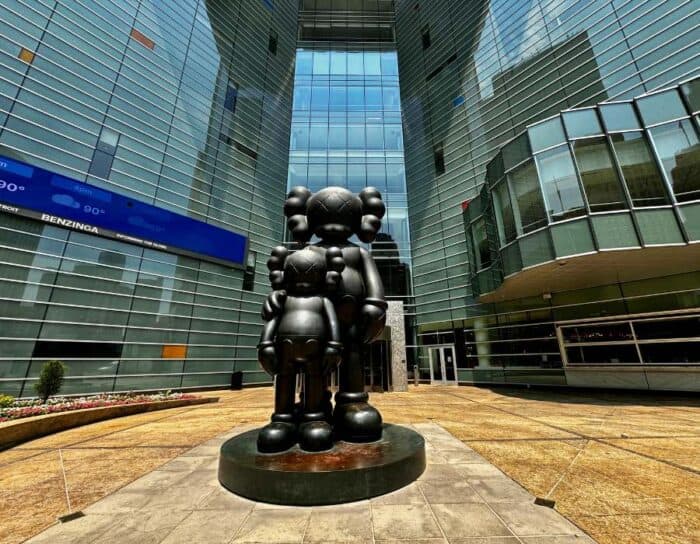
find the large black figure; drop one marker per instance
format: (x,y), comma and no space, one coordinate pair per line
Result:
(334,215)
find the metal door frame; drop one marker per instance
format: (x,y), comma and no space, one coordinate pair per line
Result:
(442,348)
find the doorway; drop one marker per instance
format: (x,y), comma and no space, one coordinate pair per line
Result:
(377,367)
(443,365)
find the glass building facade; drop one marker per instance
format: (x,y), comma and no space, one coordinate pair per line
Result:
(185,105)
(539,162)
(477,76)
(346,131)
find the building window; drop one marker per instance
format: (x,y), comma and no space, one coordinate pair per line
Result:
(103,156)
(231,97)
(481,244)
(599,177)
(272,42)
(679,150)
(560,184)
(504,214)
(249,274)
(639,169)
(439,157)
(529,207)
(425,36)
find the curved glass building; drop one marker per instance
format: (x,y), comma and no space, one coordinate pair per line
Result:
(539,160)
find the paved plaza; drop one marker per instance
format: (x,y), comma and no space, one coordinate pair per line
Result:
(460,496)
(621,468)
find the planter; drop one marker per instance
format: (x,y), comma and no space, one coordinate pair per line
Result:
(22,430)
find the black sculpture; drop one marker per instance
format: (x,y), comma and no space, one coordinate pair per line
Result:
(354,287)
(304,337)
(326,307)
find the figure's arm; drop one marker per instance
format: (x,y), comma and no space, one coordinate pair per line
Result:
(269,331)
(267,354)
(374,305)
(373,281)
(334,346)
(331,321)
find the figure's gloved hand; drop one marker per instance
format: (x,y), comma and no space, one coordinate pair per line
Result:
(267,356)
(274,304)
(373,320)
(332,356)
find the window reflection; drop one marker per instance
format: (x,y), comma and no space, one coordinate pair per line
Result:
(504,214)
(598,174)
(679,150)
(560,184)
(639,169)
(481,245)
(346,128)
(529,211)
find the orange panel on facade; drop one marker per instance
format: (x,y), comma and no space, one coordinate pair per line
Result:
(26,55)
(142,39)
(174,351)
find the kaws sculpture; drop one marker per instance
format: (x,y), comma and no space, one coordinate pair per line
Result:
(303,336)
(326,306)
(334,215)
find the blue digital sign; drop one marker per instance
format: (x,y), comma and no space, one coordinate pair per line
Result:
(33,192)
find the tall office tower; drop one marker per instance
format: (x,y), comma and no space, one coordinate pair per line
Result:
(346,131)
(149,142)
(551,189)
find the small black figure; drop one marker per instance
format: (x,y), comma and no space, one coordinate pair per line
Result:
(304,336)
(334,215)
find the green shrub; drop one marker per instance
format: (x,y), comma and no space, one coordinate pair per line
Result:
(50,379)
(6,401)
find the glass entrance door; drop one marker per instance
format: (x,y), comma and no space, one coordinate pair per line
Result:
(443,365)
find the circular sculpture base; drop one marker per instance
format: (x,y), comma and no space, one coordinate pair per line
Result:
(348,472)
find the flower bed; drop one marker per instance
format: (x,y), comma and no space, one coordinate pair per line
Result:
(27,408)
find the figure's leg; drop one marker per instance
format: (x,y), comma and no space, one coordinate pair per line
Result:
(354,419)
(281,433)
(315,433)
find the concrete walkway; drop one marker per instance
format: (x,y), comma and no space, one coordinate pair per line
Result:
(461,498)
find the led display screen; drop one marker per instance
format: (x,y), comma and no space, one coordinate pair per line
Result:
(33,192)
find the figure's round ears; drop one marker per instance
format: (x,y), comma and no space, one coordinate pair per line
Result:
(373,210)
(275,265)
(335,264)
(295,211)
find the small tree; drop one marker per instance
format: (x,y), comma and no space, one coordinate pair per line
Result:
(50,379)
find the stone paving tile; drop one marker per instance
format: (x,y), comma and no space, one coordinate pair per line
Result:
(207,527)
(527,519)
(140,527)
(83,529)
(445,491)
(576,539)
(342,524)
(500,490)
(414,541)
(411,494)
(285,526)
(479,471)
(402,522)
(469,520)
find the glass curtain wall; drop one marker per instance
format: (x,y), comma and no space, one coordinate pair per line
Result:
(346,131)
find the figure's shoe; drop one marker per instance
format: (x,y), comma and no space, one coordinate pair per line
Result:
(355,420)
(277,436)
(315,436)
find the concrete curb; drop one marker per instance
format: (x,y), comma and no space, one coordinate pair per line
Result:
(13,433)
